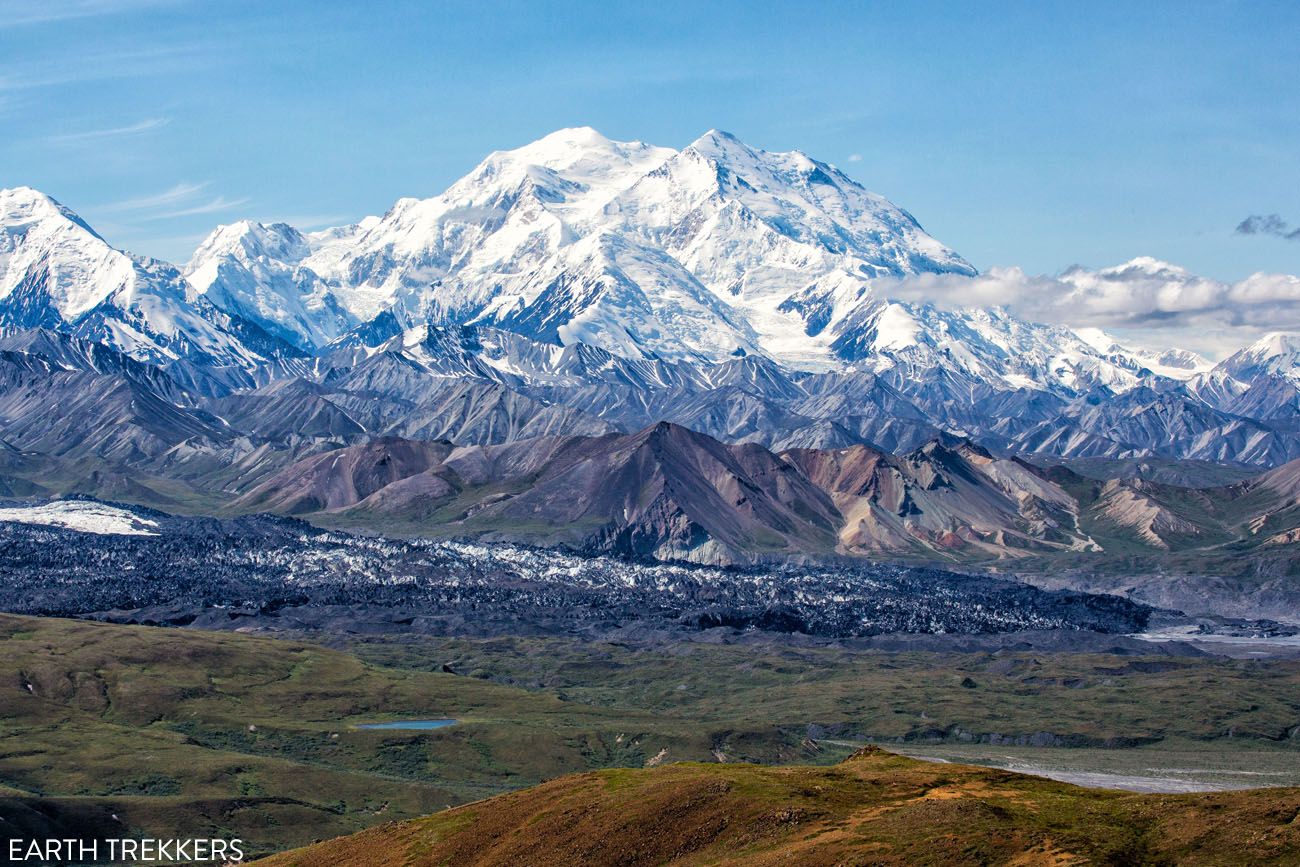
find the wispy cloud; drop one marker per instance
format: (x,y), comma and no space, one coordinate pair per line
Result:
(179,200)
(172,197)
(19,13)
(144,126)
(1268,224)
(78,68)
(855,158)
(220,203)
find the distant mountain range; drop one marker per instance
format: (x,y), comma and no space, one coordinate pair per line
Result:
(499,359)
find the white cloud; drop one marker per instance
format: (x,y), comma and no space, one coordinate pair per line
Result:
(180,200)
(146,125)
(1151,302)
(220,203)
(15,13)
(176,195)
(855,158)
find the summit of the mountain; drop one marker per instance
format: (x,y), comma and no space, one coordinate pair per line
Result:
(255,271)
(57,272)
(1277,354)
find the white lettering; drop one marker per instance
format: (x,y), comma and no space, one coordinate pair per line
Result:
(143,850)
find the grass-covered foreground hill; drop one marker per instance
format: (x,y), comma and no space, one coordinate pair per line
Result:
(873,808)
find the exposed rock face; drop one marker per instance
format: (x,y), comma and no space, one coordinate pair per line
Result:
(1129,504)
(942,500)
(665,492)
(344,477)
(669,493)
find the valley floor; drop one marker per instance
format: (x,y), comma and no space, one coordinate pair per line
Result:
(122,730)
(1169,768)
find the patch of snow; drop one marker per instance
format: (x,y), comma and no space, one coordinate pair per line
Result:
(84,517)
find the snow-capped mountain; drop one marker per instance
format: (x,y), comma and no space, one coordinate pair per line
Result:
(1275,354)
(57,272)
(580,285)
(717,250)
(1180,364)
(256,271)
(1261,381)
(987,347)
(788,242)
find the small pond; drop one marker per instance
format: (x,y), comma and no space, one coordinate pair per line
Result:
(410,724)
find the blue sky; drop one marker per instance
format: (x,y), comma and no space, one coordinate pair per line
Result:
(1032,134)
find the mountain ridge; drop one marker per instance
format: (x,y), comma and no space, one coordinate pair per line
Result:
(670,493)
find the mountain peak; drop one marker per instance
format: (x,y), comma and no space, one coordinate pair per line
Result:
(577,153)
(1275,343)
(1275,354)
(252,238)
(1146,266)
(721,146)
(718,138)
(22,194)
(24,205)
(573,136)
(725,148)
(57,272)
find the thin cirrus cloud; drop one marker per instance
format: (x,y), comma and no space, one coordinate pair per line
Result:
(1268,224)
(86,67)
(95,135)
(220,203)
(180,200)
(1151,301)
(171,197)
(20,13)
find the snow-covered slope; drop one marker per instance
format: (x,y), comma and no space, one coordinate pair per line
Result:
(56,272)
(1180,364)
(985,347)
(493,238)
(1261,381)
(255,271)
(790,243)
(1276,354)
(715,251)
